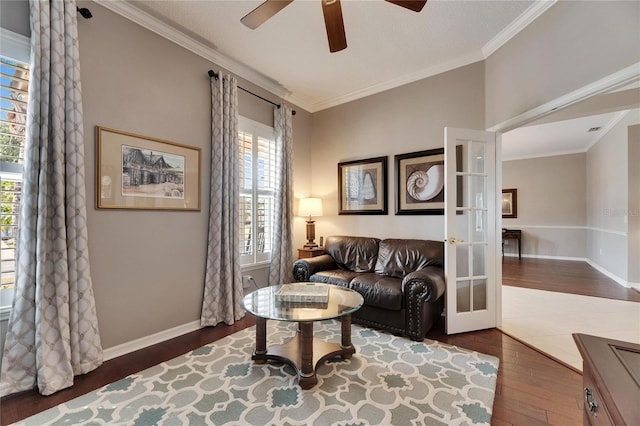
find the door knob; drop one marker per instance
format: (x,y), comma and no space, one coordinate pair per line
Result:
(454,240)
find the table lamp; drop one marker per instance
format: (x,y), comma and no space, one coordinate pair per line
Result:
(310,207)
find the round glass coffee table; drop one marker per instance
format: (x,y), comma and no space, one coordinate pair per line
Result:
(303,352)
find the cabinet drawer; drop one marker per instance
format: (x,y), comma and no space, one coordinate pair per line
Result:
(595,411)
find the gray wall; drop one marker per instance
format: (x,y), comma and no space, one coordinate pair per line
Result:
(406,119)
(608,183)
(571,45)
(14,16)
(551,205)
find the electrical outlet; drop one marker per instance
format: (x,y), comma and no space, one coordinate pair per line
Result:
(246,281)
(601,252)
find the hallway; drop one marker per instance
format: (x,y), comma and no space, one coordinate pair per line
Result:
(545,301)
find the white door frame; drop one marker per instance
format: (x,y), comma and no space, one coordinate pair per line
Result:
(613,81)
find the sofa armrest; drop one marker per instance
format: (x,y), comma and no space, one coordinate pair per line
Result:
(304,268)
(430,279)
(420,287)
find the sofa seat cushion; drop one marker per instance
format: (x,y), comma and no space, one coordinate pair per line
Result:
(336,276)
(379,291)
(397,258)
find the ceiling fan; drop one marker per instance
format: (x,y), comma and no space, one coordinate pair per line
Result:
(332,17)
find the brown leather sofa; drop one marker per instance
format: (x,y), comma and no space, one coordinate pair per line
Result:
(401,280)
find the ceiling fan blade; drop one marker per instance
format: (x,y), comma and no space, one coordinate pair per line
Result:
(335,25)
(262,13)
(415,5)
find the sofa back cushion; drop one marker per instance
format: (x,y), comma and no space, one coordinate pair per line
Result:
(357,254)
(398,257)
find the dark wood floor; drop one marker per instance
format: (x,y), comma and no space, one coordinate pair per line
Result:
(564,277)
(532,389)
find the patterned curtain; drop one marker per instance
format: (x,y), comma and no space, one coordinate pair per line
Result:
(53,329)
(223,281)
(281,256)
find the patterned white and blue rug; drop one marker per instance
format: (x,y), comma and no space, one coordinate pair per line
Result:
(389,381)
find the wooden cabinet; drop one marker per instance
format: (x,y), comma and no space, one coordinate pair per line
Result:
(305,253)
(611,380)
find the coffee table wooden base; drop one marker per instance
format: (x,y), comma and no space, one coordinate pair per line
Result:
(303,352)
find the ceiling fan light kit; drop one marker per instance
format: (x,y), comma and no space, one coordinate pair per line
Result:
(332,11)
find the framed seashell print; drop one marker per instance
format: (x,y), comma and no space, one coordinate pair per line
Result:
(420,182)
(362,186)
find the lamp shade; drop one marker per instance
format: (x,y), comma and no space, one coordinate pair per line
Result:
(310,207)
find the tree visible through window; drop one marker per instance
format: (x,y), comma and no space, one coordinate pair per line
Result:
(257,190)
(14,85)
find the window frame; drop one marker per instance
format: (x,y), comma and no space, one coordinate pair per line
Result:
(255,259)
(16,47)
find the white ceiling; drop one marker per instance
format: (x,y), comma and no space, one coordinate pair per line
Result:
(558,137)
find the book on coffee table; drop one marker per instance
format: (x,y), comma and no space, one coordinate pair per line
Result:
(303,292)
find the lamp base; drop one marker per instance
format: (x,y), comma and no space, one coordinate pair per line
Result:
(311,245)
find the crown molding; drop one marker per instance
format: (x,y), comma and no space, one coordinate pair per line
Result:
(612,81)
(521,22)
(526,18)
(144,19)
(401,81)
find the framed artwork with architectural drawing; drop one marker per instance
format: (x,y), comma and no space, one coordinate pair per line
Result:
(140,172)
(362,186)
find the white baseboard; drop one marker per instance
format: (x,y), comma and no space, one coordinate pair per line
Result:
(634,285)
(143,342)
(611,275)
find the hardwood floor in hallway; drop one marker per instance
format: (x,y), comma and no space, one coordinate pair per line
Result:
(564,276)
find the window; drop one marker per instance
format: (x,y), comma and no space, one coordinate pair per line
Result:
(14,85)
(257,190)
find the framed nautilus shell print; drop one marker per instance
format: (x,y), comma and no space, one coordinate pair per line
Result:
(420,182)
(362,186)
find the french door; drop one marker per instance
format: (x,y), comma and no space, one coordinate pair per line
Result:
(471,205)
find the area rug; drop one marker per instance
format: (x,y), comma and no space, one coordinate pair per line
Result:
(389,381)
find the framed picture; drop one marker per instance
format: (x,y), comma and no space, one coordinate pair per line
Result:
(509,203)
(420,182)
(139,172)
(362,186)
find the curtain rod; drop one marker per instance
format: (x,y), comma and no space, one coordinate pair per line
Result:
(216,76)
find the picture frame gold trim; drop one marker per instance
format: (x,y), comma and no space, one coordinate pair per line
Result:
(362,186)
(145,173)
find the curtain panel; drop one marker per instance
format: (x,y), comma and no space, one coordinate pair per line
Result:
(223,290)
(53,328)
(280,270)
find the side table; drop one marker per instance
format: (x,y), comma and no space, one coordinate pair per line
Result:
(305,253)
